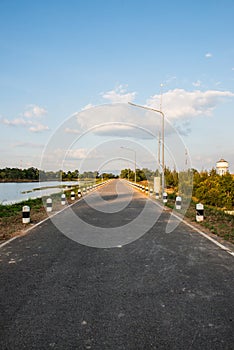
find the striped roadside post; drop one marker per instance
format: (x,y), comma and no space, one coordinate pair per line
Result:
(199,212)
(178,202)
(49,204)
(26,214)
(164,197)
(63,199)
(73,195)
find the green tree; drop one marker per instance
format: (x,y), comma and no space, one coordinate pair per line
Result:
(140,175)
(127,174)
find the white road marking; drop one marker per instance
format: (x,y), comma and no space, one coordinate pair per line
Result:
(9,241)
(220,245)
(41,222)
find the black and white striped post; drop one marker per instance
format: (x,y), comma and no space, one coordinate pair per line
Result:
(63,199)
(26,214)
(73,196)
(178,202)
(147,190)
(49,204)
(157,195)
(151,191)
(79,193)
(84,190)
(199,212)
(164,197)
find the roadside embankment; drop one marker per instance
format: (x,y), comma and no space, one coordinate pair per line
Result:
(11,215)
(216,221)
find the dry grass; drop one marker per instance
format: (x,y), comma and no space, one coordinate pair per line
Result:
(215,221)
(11,216)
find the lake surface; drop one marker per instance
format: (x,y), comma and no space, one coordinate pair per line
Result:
(12,192)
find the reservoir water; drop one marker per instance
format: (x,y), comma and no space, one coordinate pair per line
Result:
(12,192)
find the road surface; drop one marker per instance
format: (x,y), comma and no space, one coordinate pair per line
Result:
(161,291)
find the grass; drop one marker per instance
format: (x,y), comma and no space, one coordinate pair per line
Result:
(14,209)
(11,215)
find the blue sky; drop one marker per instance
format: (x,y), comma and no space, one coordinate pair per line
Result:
(59,57)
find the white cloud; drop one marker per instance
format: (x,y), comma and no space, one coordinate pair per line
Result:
(14,122)
(28,145)
(27,119)
(32,111)
(169,80)
(30,125)
(119,95)
(179,106)
(117,120)
(71,154)
(72,131)
(197,83)
(38,127)
(208,55)
(182,104)
(88,106)
(136,129)
(79,153)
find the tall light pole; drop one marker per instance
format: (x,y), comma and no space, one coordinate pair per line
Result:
(163,129)
(130,149)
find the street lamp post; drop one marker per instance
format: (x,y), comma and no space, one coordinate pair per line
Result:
(130,149)
(163,128)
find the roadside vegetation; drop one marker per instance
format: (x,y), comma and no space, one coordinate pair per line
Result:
(214,191)
(11,215)
(208,187)
(215,220)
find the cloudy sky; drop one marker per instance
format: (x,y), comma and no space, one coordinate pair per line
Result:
(69,68)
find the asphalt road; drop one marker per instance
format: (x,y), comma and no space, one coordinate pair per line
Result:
(160,291)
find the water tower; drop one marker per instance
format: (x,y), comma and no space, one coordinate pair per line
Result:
(222,167)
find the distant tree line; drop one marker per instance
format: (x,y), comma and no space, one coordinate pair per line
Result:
(86,175)
(208,187)
(34,174)
(15,174)
(141,174)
